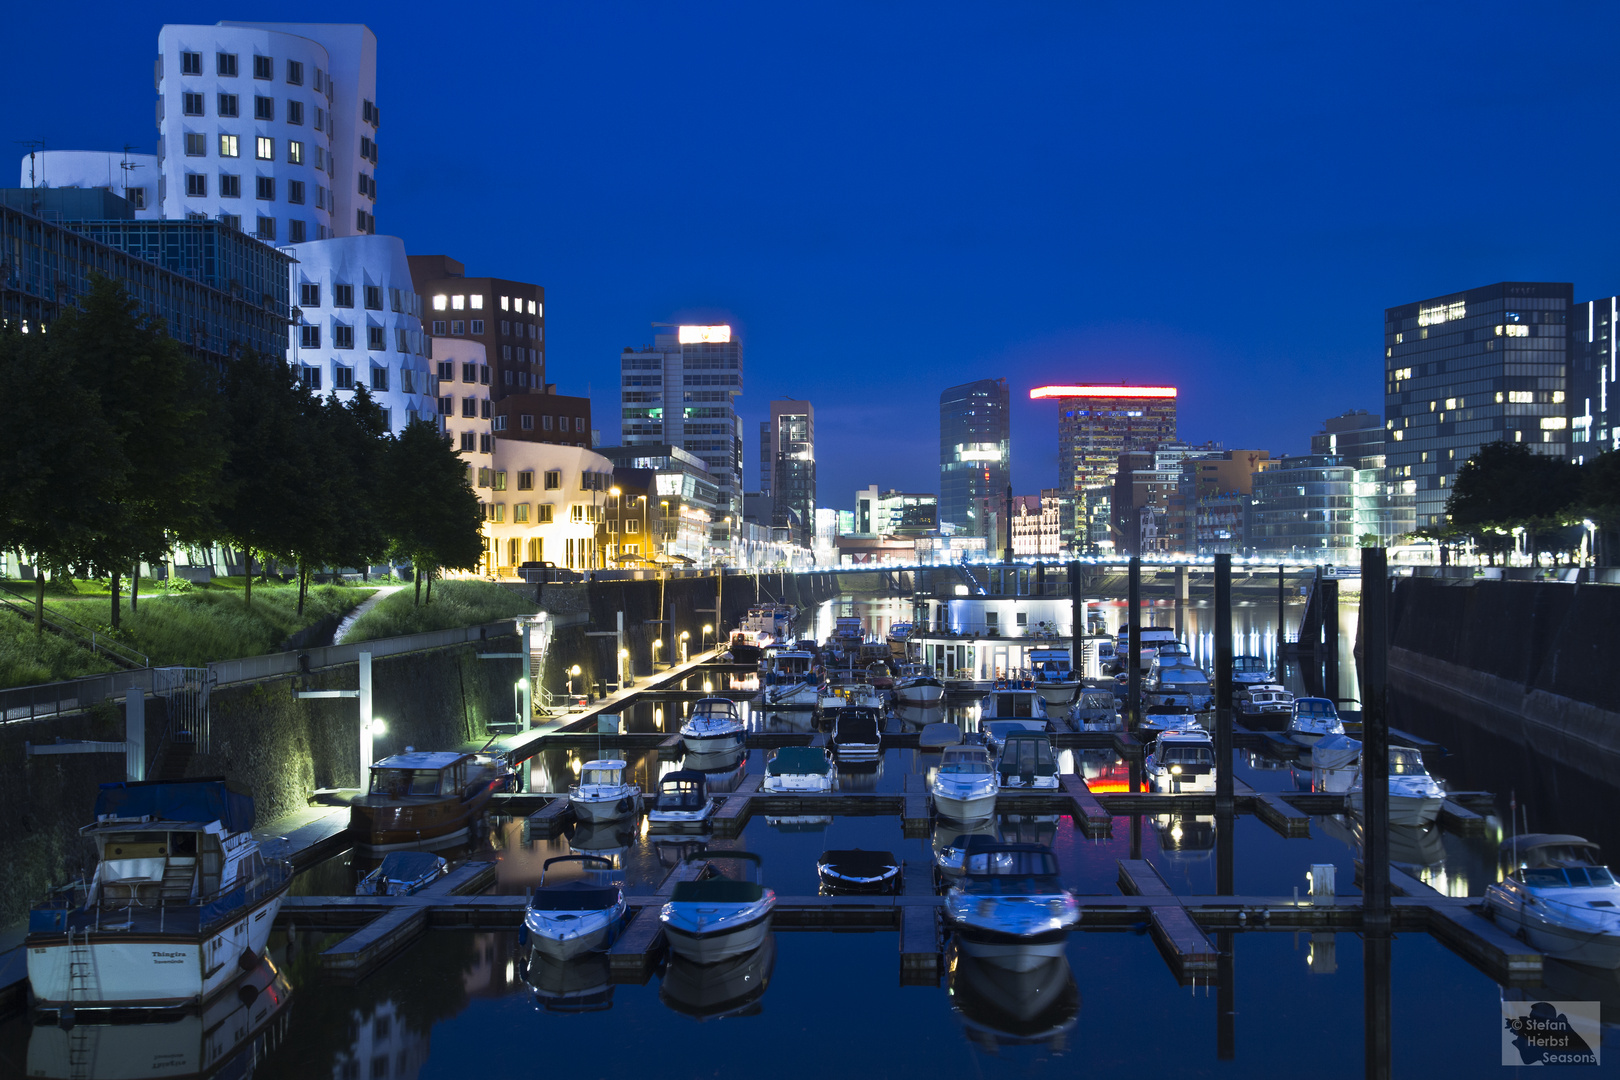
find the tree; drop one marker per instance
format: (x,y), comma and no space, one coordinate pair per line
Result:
(1600,493)
(432,515)
(1506,486)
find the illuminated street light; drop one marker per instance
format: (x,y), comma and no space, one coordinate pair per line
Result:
(707,630)
(573,673)
(624,659)
(684,635)
(657,644)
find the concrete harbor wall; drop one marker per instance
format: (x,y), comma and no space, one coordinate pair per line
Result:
(1532,662)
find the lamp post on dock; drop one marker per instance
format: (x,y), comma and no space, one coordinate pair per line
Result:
(684,635)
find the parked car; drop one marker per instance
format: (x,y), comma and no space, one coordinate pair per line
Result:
(539,572)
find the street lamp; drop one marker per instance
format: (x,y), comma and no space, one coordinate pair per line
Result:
(573,673)
(657,644)
(707,630)
(624,656)
(663,527)
(618,514)
(684,635)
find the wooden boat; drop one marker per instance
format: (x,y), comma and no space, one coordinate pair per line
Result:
(424,799)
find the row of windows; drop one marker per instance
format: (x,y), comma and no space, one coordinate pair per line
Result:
(475,302)
(264,67)
(457,327)
(470,373)
(309,295)
(229,107)
(410,382)
(309,337)
(710,380)
(264,148)
(495,479)
(264,189)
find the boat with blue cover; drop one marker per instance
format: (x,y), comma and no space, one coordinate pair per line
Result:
(403,873)
(565,919)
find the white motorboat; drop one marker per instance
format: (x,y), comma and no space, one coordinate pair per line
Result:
(1053,676)
(1257,700)
(403,873)
(918,685)
(1153,638)
(603,793)
(855,735)
(1559,898)
(1180,762)
(181,902)
(581,915)
(1160,718)
(683,800)
(965,785)
(714,727)
(1176,683)
(1250,671)
(800,768)
(788,680)
(747,646)
(858,871)
(716,918)
(1313,719)
(1027,762)
(1414,795)
(1009,908)
(1335,763)
(712,991)
(1007,702)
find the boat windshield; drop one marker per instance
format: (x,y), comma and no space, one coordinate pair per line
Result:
(1185,755)
(1315,709)
(681,797)
(1012,873)
(1404,762)
(1568,876)
(405,781)
(1248,665)
(603,777)
(965,761)
(1028,756)
(1184,676)
(1097,701)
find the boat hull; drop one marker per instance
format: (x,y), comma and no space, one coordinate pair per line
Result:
(1572,944)
(595,932)
(712,744)
(800,696)
(1403,809)
(711,947)
(136,970)
(1306,738)
(1058,693)
(965,808)
(919,694)
(600,810)
(410,826)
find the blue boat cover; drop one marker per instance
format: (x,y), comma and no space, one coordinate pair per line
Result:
(183,800)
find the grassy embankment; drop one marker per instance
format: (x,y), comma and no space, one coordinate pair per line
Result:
(455,603)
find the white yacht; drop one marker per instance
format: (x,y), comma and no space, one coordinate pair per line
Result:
(1054,676)
(717,918)
(855,735)
(788,680)
(1181,761)
(965,785)
(1335,763)
(800,768)
(1009,908)
(683,800)
(565,919)
(1096,710)
(180,903)
(1250,671)
(1257,700)
(918,685)
(1313,718)
(1414,795)
(603,793)
(1027,762)
(714,727)
(1559,898)
(1176,683)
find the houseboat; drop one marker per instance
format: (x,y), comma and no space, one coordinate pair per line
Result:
(425,799)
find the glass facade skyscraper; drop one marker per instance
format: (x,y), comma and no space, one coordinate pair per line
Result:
(974,458)
(1096,424)
(1469,369)
(1593,371)
(1382,509)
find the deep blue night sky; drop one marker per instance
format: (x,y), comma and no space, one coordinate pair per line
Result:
(889,199)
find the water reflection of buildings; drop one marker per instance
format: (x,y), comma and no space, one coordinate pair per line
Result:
(385,1047)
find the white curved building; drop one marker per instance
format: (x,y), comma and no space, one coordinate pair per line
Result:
(129,176)
(357,320)
(270,127)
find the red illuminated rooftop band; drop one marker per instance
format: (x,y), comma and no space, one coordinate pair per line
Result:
(1103,391)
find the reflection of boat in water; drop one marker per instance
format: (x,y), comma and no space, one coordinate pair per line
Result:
(858,871)
(797,721)
(919,716)
(1030,828)
(951,840)
(1185,837)
(609,839)
(730,987)
(859,775)
(233,1032)
(583,984)
(1562,981)
(799,823)
(722,772)
(1000,1006)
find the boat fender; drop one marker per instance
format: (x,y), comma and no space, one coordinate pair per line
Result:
(624,805)
(523,934)
(246,993)
(248,960)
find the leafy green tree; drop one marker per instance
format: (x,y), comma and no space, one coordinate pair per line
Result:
(1600,494)
(1505,486)
(432,515)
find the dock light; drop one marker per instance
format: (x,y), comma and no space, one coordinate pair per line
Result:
(521,684)
(684,635)
(377,726)
(624,660)
(708,628)
(573,673)
(1175,770)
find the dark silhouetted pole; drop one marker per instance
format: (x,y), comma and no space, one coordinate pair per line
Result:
(1329,595)
(1077,615)
(1225,999)
(1133,661)
(1282,615)
(1375,738)
(1375,988)
(1225,827)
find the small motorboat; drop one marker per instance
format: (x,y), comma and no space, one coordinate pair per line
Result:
(1335,763)
(563,920)
(712,991)
(1013,703)
(788,679)
(683,800)
(1054,676)
(1009,908)
(1180,762)
(1314,718)
(858,871)
(603,794)
(1266,699)
(996,732)
(1414,795)
(800,768)
(1096,710)
(965,785)
(714,727)
(403,873)
(1250,671)
(918,685)
(855,735)
(716,918)
(1027,762)
(1559,898)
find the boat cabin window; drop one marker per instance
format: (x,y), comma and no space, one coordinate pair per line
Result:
(1096,701)
(680,797)
(600,776)
(1580,877)
(1011,864)
(1028,755)
(1186,755)
(965,762)
(149,845)
(1184,676)
(1249,665)
(397,782)
(1403,762)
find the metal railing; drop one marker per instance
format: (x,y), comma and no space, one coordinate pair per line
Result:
(88,636)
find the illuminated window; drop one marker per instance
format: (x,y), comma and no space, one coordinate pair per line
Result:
(478,302)
(506,303)
(1398,436)
(458,302)
(1558,397)
(227,146)
(439,302)
(266,148)
(1499,397)
(295,152)
(1513,330)
(1451,403)
(532,310)
(1554,423)
(1521,397)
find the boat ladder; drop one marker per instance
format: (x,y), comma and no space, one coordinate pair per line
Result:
(81,970)
(80,1064)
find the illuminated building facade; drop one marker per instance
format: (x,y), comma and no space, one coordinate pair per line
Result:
(787,466)
(1096,424)
(974,458)
(1468,369)
(1593,371)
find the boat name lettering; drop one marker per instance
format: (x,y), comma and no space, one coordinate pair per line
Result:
(179,955)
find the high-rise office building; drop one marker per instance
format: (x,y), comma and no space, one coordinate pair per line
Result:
(975,458)
(787,460)
(1382,509)
(681,390)
(1097,423)
(1593,374)
(1468,369)
(270,127)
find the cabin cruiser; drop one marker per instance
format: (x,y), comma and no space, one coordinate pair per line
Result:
(180,903)
(1152,638)
(603,794)
(1414,795)
(716,918)
(1181,761)
(965,784)
(1027,762)
(899,638)
(855,735)
(1001,1007)
(1053,676)
(683,800)
(425,800)
(770,622)
(1009,908)
(714,991)
(1559,898)
(1250,671)
(789,680)
(564,919)
(858,871)
(799,768)
(1179,684)
(1335,763)
(1313,719)
(918,685)
(849,690)
(403,873)
(1263,699)
(1012,703)
(747,646)
(1096,710)
(714,727)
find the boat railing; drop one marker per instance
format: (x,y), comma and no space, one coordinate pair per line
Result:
(69,908)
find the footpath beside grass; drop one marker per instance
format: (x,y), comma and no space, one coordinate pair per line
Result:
(455,603)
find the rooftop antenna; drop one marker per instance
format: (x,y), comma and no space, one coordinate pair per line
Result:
(34,147)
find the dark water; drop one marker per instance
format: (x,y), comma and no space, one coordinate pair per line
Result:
(819,1003)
